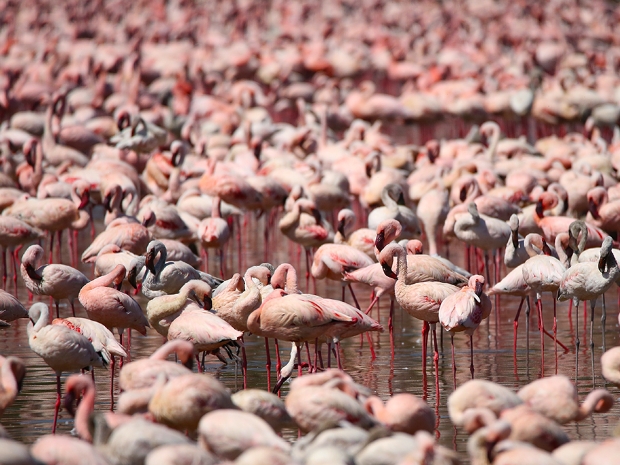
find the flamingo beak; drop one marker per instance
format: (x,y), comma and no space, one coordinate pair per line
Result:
(388,271)
(380,240)
(68,403)
(131,278)
(341,227)
(84,199)
(107,201)
(279,384)
(208,303)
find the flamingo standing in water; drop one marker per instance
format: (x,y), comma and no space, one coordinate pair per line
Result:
(421,300)
(57,281)
(213,233)
(61,348)
(15,233)
(110,307)
(10,309)
(464,311)
(542,273)
(589,280)
(102,340)
(12,373)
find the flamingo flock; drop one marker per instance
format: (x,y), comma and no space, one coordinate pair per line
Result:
(137,138)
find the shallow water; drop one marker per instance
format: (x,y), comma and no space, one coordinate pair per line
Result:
(32,413)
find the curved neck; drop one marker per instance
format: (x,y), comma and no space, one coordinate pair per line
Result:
(163,307)
(401,258)
(374,406)
(43,320)
(215,208)
(599,400)
(387,200)
(494,141)
(291,280)
(9,382)
(173,347)
(106,279)
(81,221)
(161,262)
(86,407)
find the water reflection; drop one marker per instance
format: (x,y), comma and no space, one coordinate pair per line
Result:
(31,414)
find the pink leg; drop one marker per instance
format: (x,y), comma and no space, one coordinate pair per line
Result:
(541,326)
(268,365)
(338,356)
(51,246)
(198,364)
(373,355)
(471,349)
(57,406)
(453,360)
(278,361)
(112,366)
(425,329)
(391,327)
(59,248)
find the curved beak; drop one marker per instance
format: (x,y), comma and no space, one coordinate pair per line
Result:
(208,303)
(380,241)
(388,271)
(107,203)
(84,199)
(150,262)
(341,227)
(279,384)
(132,276)
(68,403)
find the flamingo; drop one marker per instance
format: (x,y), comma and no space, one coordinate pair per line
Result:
(101,338)
(589,280)
(421,300)
(55,214)
(168,277)
(12,373)
(464,311)
(143,373)
(182,401)
(214,232)
(228,433)
(265,405)
(390,196)
(132,237)
(57,281)
(15,233)
(403,413)
(362,239)
(110,307)
(60,348)
(11,309)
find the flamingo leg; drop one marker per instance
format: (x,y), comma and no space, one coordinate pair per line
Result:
(603,321)
(4,273)
(112,366)
(515,327)
(592,305)
(555,331)
(298,360)
(577,341)
(244,364)
(453,361)
(329,355)
(316,354)
(57,309)
(57,406)
(51,247)
(357,304)
(222,270)
(471,353)
(309,358)
(268,364)
(15,259)
(541,327)
(59,248)
(373,355)
(372,304)
(425,329)
(199,365)
(72,307)
(391,328)
(338,356)
(278,361)
(435,356)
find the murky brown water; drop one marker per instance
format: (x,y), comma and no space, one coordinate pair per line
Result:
(31,414)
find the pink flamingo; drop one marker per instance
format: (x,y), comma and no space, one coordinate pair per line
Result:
(102,340)
(551,226)
(59,347)
(53,448)
(57,281)
(14,233)
(228,433)
(214,232)
(332,260)
(181,402)
(12,373)
(294,318)
(84,386)
(362,239)
(464,311)
(55,214)
(542,273)
(10,309)
(403,412)
(265,405)
(131,237)
(143,373)
(603,213)
(110,307)
(421,300)
(586,281)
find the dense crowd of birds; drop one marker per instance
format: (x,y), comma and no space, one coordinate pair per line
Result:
(185,129)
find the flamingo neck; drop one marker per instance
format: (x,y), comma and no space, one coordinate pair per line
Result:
(8,380)
(86,407)
(401,258)
(599,400)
